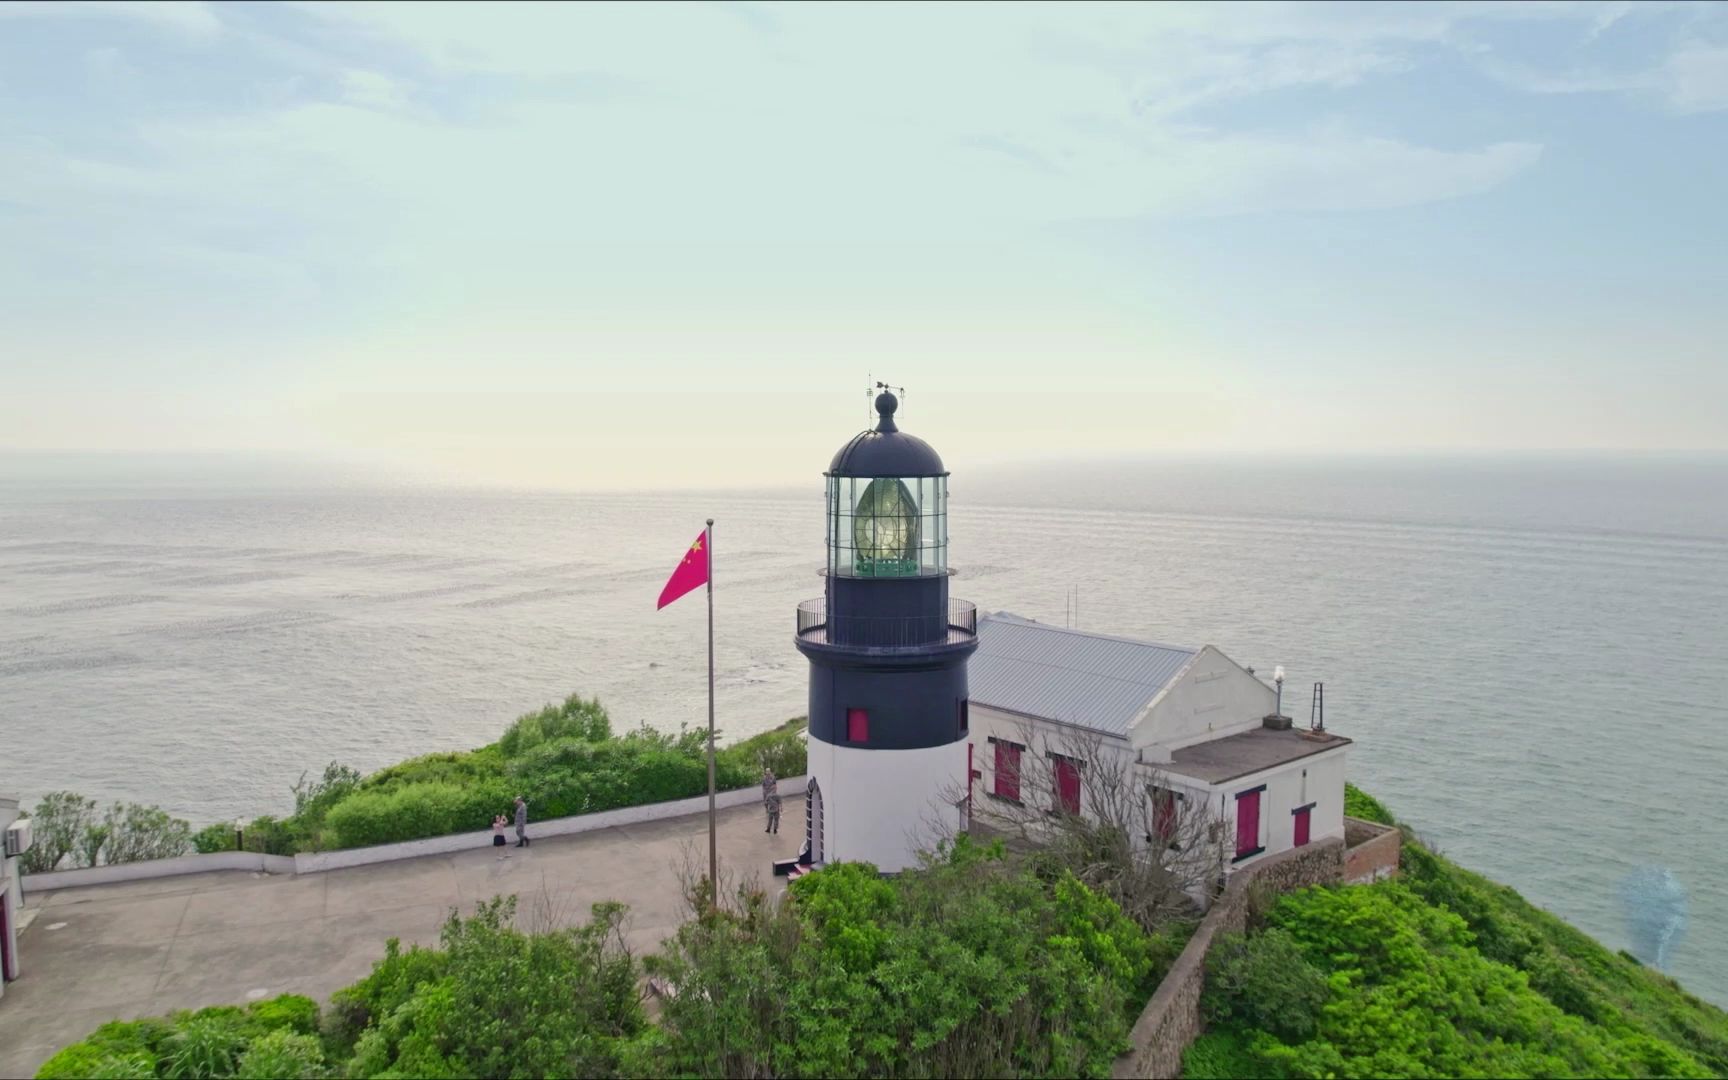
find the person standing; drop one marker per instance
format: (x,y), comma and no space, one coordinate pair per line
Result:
(498,823)
(773,805)
(770,786)
(521,821)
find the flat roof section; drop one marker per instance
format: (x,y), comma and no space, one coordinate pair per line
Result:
(1233,756)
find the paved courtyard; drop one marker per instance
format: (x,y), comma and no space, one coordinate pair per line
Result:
(149,947)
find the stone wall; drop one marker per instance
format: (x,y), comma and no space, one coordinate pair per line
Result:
(1372,852)
(1171,1020)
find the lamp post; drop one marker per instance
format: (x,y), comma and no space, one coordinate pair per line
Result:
(239,834)
(1278,682)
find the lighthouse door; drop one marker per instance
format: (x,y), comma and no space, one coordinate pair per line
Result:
(813,821)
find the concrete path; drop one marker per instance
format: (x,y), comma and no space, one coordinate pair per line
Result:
(146,948)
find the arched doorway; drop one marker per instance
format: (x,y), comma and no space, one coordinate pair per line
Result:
(813,821)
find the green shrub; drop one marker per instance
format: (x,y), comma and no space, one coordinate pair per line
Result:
(1363,806)
(57,825)
(783,750)
(282,1055)
(293,1012)
(392,981)
(1263,981)
(204,1046)
(414,811)
(576,718)
(271,836)
(123,1067)
(1409,994)
(502,1003)
(1221,1055)
(967,966)
(213,838)
(119,1048)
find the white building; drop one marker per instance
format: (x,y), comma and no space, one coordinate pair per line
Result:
(15,835)
(1063,719)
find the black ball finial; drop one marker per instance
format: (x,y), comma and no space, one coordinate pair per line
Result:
(886,403)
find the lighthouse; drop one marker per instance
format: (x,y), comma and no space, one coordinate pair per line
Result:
(889,770)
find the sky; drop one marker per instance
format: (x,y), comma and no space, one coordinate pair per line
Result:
(647,245)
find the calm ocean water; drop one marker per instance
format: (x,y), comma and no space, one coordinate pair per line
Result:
(1530,655)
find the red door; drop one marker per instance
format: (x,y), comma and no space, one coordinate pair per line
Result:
(1248,823)
(1067,785)
(1008,771)
(1302,826)
(1164,814)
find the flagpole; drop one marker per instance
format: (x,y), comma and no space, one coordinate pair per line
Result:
(713,858)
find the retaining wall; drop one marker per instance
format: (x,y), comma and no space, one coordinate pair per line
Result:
(1171,1020)
(156,868)
(320,861)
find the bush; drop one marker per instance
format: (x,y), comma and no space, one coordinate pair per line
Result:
(214,838)
(1410,994)
(414,811)
(117,1048)
(502,1003)
(204,1046)
(65,824)
(270,836)
(57,825)
(1221,1055)
(291,1012)
(1263,982)
(392,982)
(968,966)
(576,718)
(1359,804)
(282,1055)
(783,750)
(146,832)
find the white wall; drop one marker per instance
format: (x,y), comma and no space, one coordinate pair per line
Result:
(1040,737)
(11,891)
(1038,780)
(884,806)
(320,861)
(1213,697)
(1318,779)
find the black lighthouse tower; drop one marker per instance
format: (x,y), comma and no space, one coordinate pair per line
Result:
(887,647)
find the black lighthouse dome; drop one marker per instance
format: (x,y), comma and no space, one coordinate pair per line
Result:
(887,504)
(885,450)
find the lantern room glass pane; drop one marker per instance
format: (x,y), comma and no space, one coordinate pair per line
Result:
(887,526)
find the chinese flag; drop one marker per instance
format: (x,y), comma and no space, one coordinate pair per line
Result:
(690,574)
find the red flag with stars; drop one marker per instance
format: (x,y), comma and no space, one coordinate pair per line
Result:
(692,573)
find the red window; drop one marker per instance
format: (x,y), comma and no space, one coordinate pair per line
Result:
(1008,771)
(1164,814)
(1067,784)
(857,726)
(1248,823)
(1301,816)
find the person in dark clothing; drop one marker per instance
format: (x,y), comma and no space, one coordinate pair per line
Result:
(521,822)
(773,805)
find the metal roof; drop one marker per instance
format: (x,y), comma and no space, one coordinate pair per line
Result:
(1089,680)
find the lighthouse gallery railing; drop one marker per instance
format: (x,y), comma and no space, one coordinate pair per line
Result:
(891,632)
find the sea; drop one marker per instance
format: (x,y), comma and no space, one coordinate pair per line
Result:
(1530,653)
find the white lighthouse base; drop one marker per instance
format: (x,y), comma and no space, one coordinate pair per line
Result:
(884,806)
